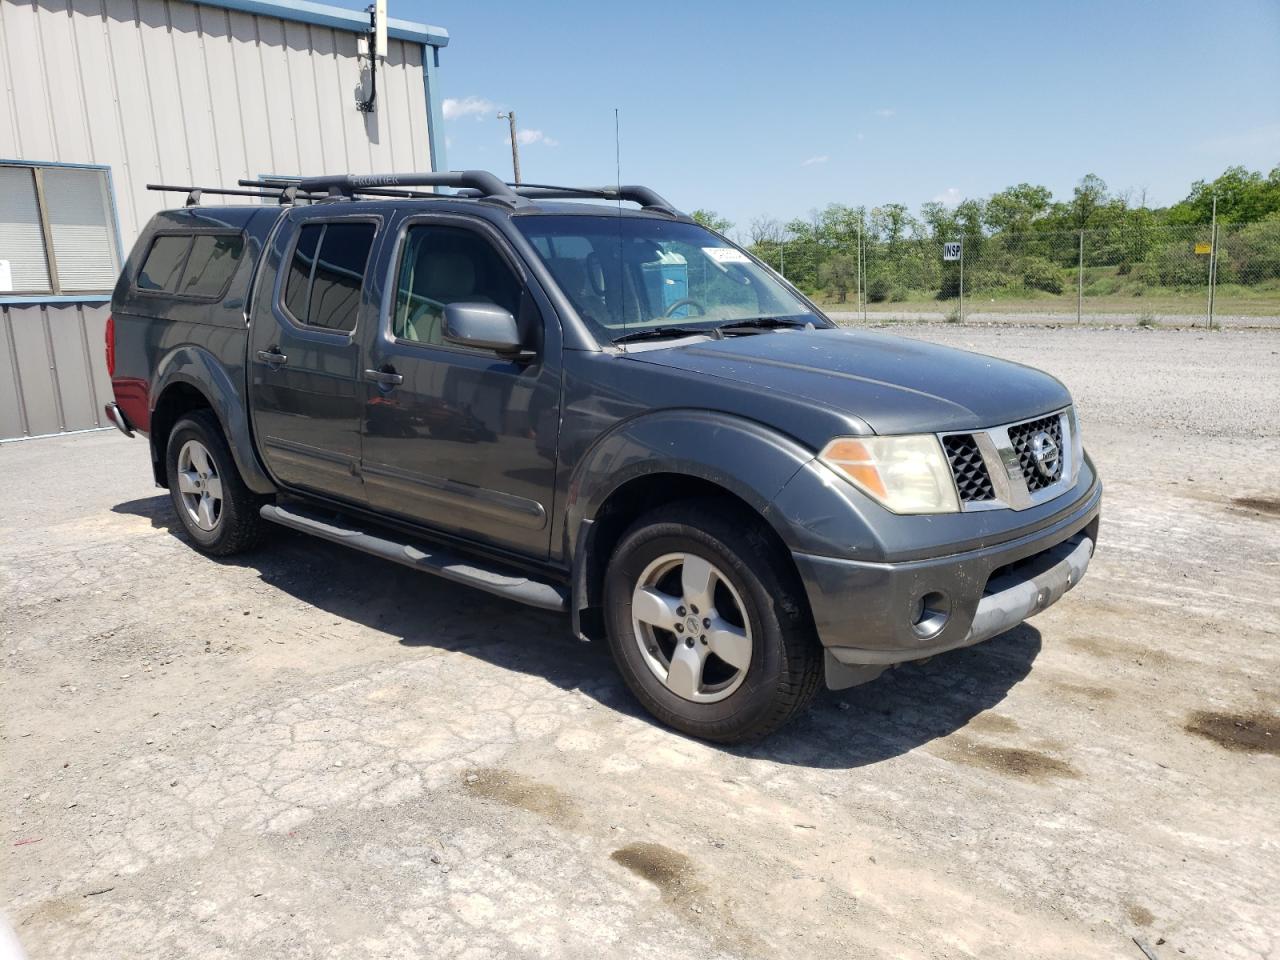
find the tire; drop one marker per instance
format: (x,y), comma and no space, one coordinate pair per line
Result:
(198,464)
(782,656)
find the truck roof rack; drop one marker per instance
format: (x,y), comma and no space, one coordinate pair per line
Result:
(284,193)
(469,184)
(647,198)
(633,193)
(484,183)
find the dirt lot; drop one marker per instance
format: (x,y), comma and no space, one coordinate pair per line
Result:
(310,753)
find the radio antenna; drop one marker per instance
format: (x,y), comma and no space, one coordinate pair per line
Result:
(617,174)
(617,154)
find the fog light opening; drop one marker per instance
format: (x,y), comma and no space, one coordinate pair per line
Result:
(929,613)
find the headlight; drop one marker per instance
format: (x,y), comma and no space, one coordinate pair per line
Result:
(905,474)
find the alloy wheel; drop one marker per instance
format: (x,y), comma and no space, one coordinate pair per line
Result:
(691,627)
(200,485)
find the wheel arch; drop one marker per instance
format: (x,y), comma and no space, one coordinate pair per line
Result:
(191,378)
(673,456)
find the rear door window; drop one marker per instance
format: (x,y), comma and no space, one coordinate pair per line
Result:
(298,284)
(326,274)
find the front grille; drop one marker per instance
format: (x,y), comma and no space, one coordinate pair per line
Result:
(967,466)
(1021,438)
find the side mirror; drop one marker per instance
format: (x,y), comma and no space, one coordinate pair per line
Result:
(483,326)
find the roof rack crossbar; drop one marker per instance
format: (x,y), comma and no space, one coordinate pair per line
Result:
(282,193)
(288,184)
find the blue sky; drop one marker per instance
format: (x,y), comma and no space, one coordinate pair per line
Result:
(772,109)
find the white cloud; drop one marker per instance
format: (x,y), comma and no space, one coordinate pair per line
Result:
(454,108)
(885,112)
(949,197)
(528,136)
(820,158)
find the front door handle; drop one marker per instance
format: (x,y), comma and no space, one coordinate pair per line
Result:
(386,377)
(272,358)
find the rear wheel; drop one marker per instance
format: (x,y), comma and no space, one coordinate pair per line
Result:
(219,513)
(708,625)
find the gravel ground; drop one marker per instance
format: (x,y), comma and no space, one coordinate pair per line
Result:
(311,753)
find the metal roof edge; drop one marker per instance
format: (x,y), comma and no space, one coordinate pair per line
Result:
(338,18)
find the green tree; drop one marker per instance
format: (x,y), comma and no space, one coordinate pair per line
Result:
(1089,195)
(1017,209)
(838,274)
(1244,196)
(712,220)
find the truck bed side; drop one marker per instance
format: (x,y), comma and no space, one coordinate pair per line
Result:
(178,346)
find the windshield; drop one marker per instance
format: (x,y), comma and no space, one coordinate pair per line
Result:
(626,275)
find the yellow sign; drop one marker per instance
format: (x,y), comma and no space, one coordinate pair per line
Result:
(1203,249)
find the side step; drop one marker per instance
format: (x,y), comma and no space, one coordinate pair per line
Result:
(438,561)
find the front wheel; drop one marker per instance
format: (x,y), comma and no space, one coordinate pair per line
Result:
(219,513)
(708,625)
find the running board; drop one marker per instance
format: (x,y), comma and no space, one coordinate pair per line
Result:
(438,561)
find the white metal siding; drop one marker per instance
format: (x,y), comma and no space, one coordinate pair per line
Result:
(53,372)
(174,92)
(169,91)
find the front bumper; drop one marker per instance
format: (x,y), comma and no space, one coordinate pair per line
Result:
(872,615)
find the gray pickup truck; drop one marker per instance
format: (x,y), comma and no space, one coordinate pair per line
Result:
(598,409)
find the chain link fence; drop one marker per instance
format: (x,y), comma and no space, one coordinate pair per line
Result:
(1177,275)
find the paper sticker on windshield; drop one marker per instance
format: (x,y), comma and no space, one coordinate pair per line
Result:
(726,255)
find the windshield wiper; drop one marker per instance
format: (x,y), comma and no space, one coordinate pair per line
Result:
(764,323)
(653,333)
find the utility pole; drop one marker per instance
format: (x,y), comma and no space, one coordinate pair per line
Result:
(510,117)
(1213,257)
(1080,283)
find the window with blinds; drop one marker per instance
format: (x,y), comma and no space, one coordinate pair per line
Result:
(57,230)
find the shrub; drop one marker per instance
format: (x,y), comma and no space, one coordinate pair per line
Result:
(1040,274)
(1177,265)
(878,290)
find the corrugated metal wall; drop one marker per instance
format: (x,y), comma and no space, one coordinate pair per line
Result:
(173,92)
(53,375)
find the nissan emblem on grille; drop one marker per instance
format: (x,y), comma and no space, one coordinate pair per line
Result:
(1045,453)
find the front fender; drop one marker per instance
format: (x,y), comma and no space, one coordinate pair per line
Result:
(742,456)
(201,369)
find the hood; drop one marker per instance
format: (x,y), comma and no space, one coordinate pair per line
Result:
(893,384)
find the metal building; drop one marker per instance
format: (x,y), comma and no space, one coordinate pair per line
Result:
(100,97)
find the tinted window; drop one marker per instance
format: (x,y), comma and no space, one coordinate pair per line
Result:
(212,262)
(164,263)
(443,265)
(298,283)
(339,275)
(327,274)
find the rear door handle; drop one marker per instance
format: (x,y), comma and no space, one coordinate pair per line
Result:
(273,358)
(388,377)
